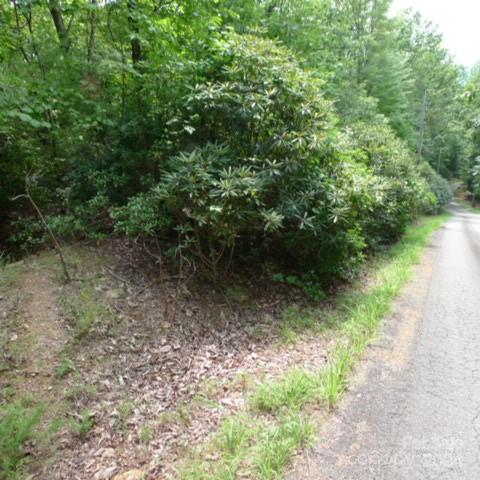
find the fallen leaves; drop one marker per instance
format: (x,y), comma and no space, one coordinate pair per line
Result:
(181,357)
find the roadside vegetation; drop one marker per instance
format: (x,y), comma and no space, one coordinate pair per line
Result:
(276,423)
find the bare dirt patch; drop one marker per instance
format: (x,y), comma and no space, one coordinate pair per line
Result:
(44,333)
(34,335)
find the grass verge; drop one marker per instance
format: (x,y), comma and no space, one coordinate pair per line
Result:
(260,442)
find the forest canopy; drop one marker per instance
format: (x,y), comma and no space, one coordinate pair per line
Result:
(314,130)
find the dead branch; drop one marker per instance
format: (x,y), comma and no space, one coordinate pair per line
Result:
(56,245)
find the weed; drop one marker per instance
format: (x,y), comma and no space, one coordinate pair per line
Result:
(85,310)
(81,425)
(210,387)
(66,367)
(146,434)
(334,377)
(231,446)
(237,294)
(296,321)
(10,274)
(291,392)
(124,410)
(278,444)
(183,414)
(17,425)
(8,392)
(207,391)
(195,470)
(234,434)
(80,393)
(203,400)
(55,426)
(256,331)
(310,283)
(244,381)
(167,418)
(3,258)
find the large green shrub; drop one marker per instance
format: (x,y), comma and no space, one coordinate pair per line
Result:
(401,191)
(258,100)
(258,126)
(439,187)
(210,196)
(264,167)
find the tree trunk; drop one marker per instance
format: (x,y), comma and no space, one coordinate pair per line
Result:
(423,117)
(91,35)
(62,30)
(135,42)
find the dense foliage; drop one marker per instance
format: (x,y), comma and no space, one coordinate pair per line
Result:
(470,172)
(311,131)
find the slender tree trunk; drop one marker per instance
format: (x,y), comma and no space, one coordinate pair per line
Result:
(135,42)
(29,22)
(56,245)
(91,35)
(423,117)
(62,30)
(19,29)
(123,56)
(438,160)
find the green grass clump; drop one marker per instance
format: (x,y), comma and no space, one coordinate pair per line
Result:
(124,411)
(82,425)
(85,309)
(278,443)
(232,445)
(65,367)
(146,434)
(80,393)
(17,425)
(334,377)
(234,435)
(291,392)
(296,321)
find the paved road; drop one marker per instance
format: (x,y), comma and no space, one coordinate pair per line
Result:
(414,412)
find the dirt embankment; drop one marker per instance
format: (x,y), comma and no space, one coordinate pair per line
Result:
(136,368)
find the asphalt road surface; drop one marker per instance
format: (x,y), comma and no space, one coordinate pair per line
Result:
(413,412)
